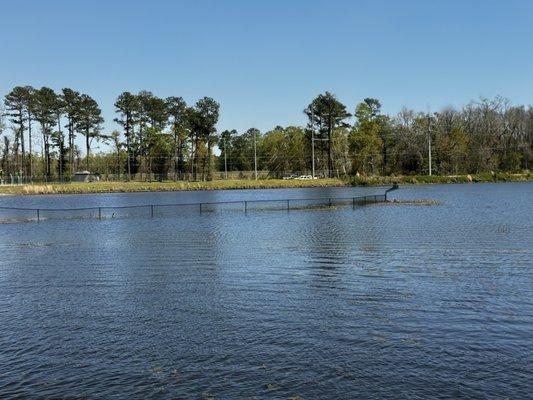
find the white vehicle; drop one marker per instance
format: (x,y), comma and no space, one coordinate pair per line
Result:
(293,176)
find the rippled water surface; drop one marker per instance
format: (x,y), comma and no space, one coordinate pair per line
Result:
(384,301)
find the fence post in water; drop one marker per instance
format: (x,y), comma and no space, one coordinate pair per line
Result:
(200,208)
(353,203)
(151,211)
(245,206)
(99,212)
(38,216)
(329,202)
(288,205)
(394,187)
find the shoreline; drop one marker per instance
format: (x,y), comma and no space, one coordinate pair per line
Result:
(171,186)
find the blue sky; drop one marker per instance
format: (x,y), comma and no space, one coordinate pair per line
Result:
(265,60)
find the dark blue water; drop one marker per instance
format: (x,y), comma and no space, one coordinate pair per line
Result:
(384,301)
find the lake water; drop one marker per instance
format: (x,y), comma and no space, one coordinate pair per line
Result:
(384,301)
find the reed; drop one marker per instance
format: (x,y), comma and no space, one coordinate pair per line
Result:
(426,179)
(127,187)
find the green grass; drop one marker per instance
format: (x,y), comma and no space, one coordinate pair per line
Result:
(426,179)
(126,187)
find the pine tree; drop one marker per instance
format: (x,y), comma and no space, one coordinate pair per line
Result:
(89,123)
(328,113)
(177,111)
(126,106)
(15,103)
(44,104)
(71,104)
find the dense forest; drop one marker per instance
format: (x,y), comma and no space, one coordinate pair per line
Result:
(40,132)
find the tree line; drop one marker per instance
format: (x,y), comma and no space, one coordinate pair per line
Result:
(165,136)
(59,117)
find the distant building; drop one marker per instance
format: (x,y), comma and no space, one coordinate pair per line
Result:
(84,176)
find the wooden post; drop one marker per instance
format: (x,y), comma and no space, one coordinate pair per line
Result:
(151,211)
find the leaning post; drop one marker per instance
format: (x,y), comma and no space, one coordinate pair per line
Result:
(394,187)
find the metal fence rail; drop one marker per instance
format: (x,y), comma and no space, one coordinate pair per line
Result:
(20,214)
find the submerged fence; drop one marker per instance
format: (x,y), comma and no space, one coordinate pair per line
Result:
(21,214)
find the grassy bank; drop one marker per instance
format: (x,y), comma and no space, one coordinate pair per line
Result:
(426,179)
(127,187)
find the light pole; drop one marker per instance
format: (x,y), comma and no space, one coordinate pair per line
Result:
(313,139)
(312,146)
(226,158)
(313,150)
(429,145)
(255,154)
(129,163)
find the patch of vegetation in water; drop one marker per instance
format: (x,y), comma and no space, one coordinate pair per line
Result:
(414,202)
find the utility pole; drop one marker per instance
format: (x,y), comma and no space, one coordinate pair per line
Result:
(255,154)
(313,140)
(60,140)
(30,154)
(429,144)
(312,145)
(129,164)
(226,158)
(313,151)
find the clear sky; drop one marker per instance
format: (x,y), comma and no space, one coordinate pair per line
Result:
(265,60)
